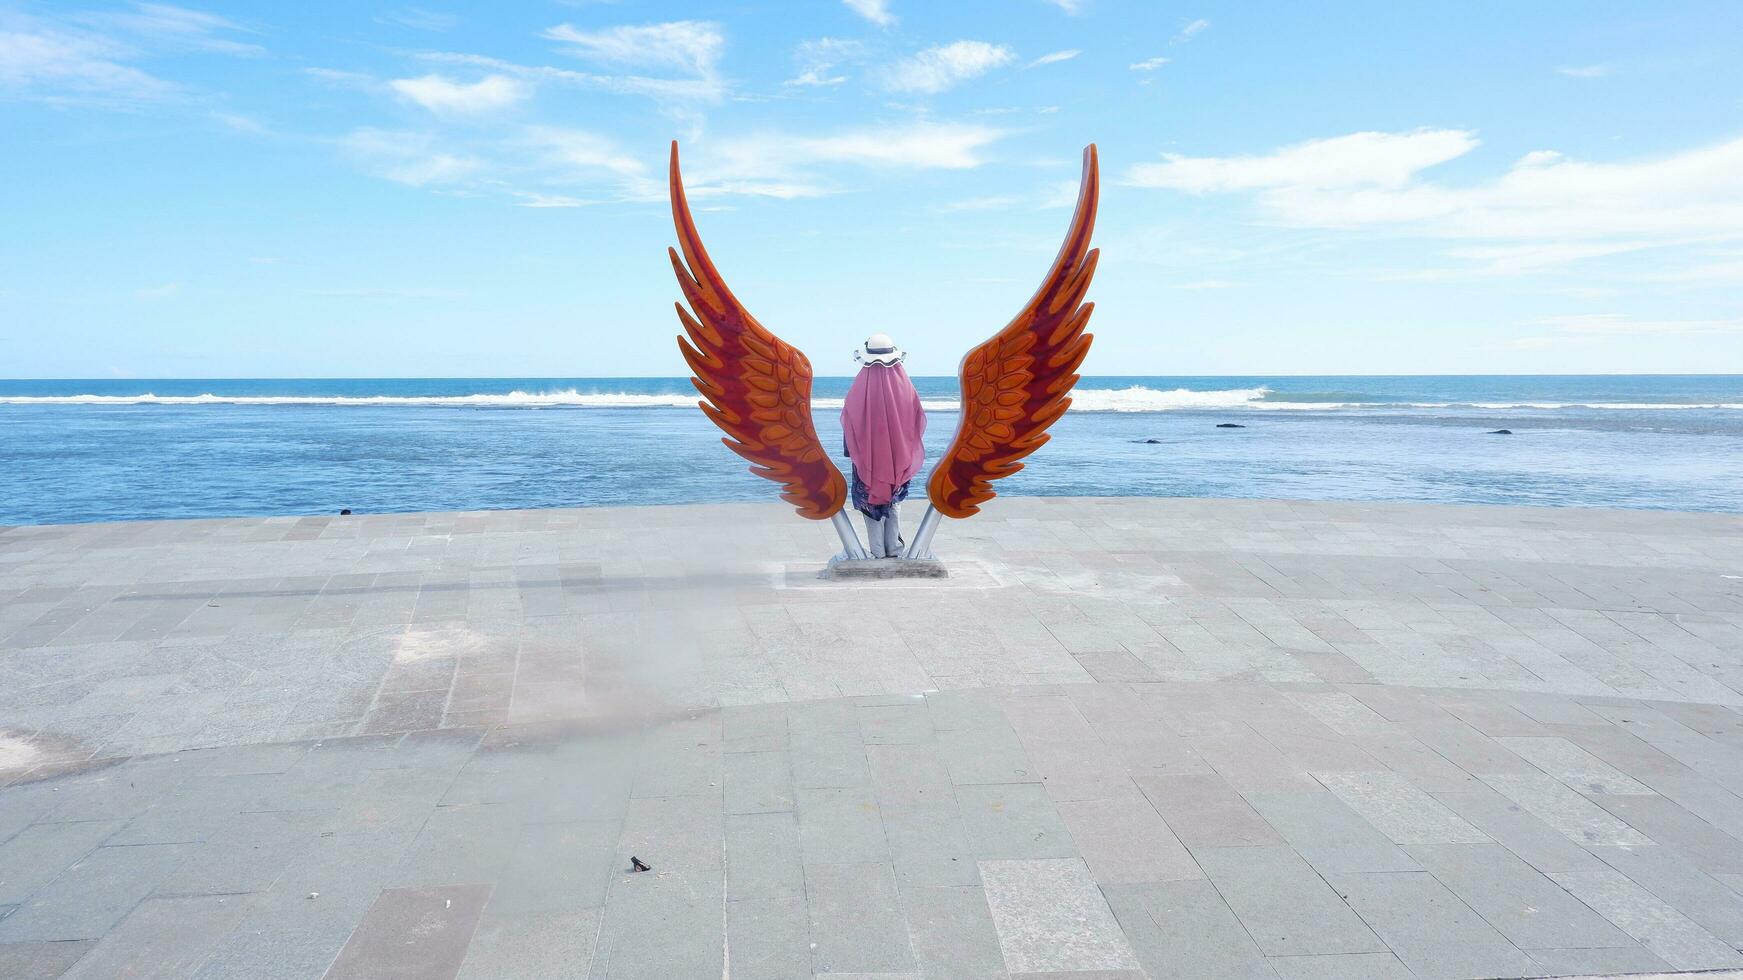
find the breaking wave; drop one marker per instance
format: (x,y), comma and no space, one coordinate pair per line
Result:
(514,399)
(1136,398)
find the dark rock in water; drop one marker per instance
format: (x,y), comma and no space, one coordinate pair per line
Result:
(1502,432)
(1148,442)
(1230,425)
(345,513)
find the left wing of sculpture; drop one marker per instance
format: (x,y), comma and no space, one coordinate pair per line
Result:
(756,387)
(1018,383)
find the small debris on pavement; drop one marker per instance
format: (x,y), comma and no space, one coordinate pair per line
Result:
(635,864)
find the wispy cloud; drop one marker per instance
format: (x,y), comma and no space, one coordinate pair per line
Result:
(391,292)
(1148,64)
(781,164)
(168,27)
(419,19)
(1584,71)
(1191,31)
(940,68)
(918,145)
(1356,160)
(440,94)
(690,47)
(168,290)
(1054,58)
(579,152)
(991,203)
(534,199)
(876,11)
(93,57)
(536,165)
(54,66)
(675,90)
(1591,328)
(340,78)
(1620,323)
(1507,260)
(411,158)
(1073,7)
(1711,269)
(817,60)
(1544,210)
(685,45)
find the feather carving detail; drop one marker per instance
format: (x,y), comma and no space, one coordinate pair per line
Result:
(754,386)
(1018,383)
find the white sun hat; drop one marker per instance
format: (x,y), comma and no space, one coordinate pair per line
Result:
(879,349)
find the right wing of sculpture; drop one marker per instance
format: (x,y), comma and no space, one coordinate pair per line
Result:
(755,386)
(1019,382)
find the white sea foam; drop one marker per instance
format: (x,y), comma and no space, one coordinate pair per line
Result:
(514,399)
(1136,398)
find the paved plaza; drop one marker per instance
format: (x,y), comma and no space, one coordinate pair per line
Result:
(1124,739)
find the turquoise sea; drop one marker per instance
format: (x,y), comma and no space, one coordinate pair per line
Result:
(132,449)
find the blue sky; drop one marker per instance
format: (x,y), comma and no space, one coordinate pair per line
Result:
(340,189)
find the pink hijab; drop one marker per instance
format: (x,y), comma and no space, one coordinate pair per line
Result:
(884,424)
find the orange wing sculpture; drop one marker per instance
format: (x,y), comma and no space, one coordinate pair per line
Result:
(1018,383)
(755,386)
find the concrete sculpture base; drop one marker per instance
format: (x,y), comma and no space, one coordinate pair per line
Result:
(877,569)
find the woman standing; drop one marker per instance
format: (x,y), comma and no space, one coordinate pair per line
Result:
(883,424)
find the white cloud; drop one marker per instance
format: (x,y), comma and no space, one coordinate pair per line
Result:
(876,11)
(238,123)
(779,164)
(89,57)
(58,66)
(439,94)
(1191,31)
(174,28)
(340,78)
(1532,256)
(922,145)
(1072,7)
(576,149)
(1592,328)
(533,199)
(686,45)
(996,203)
(419,19)
(1060,194)
(414,159)
(1356,160)
(1584,71)
(168,290)
(664,89)
(1054,58)
(1721,271)
(939,68)
(1544,210)
(692,48)
(1620,323)
(1148,64)
(538,166)
(818,58)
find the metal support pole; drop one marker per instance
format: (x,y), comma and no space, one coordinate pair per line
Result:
(850,545)
(921,548)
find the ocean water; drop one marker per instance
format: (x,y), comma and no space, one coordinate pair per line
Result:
(120,450)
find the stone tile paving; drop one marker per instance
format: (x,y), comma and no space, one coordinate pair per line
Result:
(1130,738)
